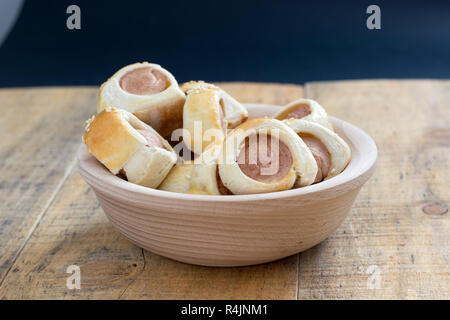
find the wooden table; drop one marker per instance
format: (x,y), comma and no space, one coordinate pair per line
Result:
(395,242)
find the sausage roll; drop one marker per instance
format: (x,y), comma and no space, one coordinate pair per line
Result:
(200,176)
(265,155)
(179,178)
(128,146)
(148,91)
(234,112)
(305,109)
(330,151)
(205,177)
(208,113)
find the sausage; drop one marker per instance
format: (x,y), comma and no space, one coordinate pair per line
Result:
(321,155)
(152,139)
(301,111)
(266,169)
(143,81)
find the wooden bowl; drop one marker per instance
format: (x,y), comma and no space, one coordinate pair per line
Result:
(233,230)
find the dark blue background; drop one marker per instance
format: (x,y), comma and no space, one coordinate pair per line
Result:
(229,40)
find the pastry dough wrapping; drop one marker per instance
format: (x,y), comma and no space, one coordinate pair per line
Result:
(162,111)
(205,177)
(112,138)
(179,178)
(302,172)
(208,113)
(307,109)
(338,149)
(199,176)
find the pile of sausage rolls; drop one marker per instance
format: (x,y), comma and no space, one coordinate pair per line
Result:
(197,139)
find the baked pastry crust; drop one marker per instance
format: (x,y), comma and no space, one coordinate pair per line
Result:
(317,112)
(204,176)
(179,178)
(112,138)
(235,113)
(199,176)
(214,109)
(338,149)
(162,111)
(302,173)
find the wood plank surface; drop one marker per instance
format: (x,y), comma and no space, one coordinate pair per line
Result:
(395,243)
(70,228)
(40,130)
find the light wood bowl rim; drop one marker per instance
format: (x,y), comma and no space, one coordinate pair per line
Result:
(354,176)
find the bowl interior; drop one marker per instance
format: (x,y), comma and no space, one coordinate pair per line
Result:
(361,166)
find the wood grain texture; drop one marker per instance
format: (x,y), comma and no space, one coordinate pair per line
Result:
(387,231)
(388,235)
(268,93)
(40,130)
(73,229)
